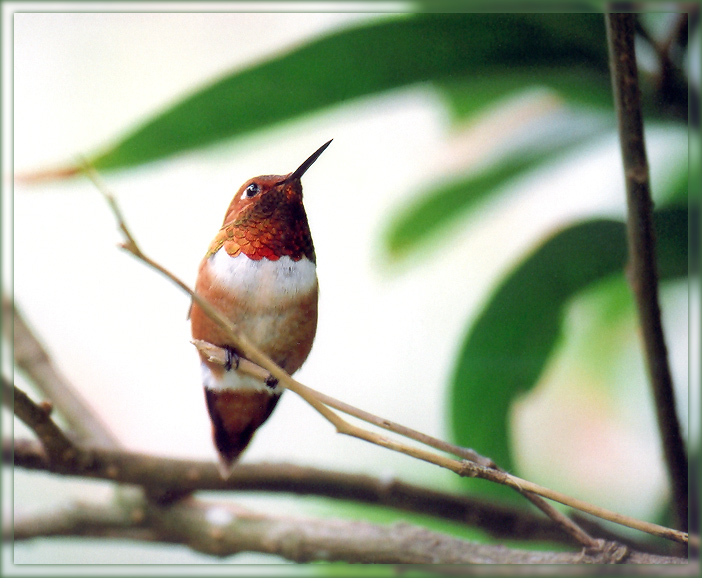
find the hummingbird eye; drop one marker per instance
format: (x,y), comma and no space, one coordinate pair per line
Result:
(252,190)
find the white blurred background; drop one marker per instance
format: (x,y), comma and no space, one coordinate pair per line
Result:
(387,334)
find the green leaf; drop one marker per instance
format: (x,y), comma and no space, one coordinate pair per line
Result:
(591,87)
(439,207)
(359,61)
(512,338)
(415,223)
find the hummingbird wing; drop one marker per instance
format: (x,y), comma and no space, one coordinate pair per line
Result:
(225,238)
(228,238)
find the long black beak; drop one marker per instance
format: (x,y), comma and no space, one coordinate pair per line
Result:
(302,169)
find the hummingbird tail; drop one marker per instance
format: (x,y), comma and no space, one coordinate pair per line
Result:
(235,417)
(225,467)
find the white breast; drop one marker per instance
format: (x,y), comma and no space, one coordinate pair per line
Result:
(263,280)
(272,301)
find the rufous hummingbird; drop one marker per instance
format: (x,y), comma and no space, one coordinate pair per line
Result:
(260,272)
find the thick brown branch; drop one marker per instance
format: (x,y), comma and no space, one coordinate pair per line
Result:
(31,357)
(641,267)
(224,529)
(177,476)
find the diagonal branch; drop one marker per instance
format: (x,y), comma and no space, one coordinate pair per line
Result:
(461,467)
(641,267)
(31,357)
(218,355)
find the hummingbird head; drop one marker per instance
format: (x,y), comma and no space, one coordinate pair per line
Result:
(265,193)
(267,216)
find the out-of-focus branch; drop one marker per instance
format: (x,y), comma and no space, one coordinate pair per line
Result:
(691,569)
(641,267)
(59,449)
(224,529)
(31,357)
(171,476)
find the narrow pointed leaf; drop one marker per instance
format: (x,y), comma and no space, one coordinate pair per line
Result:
(585,87)
(416,223)
(436,209)
(359,61)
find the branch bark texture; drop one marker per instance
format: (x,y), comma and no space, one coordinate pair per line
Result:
(641,267)
(166,477)
(224,529)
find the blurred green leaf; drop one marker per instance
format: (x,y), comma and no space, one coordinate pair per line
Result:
(436,209)
(676,191)
(510,342)
(589,87)
(416,222)
(359,61)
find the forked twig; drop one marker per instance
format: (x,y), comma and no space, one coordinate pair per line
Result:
(315,399)
(177,475)
(218,355)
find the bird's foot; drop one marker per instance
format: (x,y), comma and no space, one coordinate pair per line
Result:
(232,361)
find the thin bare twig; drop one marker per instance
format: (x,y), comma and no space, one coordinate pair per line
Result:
(641,267)
(462,467)
(218,355)
(224,529)
(31,358)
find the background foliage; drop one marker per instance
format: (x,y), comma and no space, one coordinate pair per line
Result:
(477,64)
(473,60)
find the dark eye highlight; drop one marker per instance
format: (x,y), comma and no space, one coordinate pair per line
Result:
(252,190)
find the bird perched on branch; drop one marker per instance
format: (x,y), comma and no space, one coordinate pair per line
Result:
(260,272)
